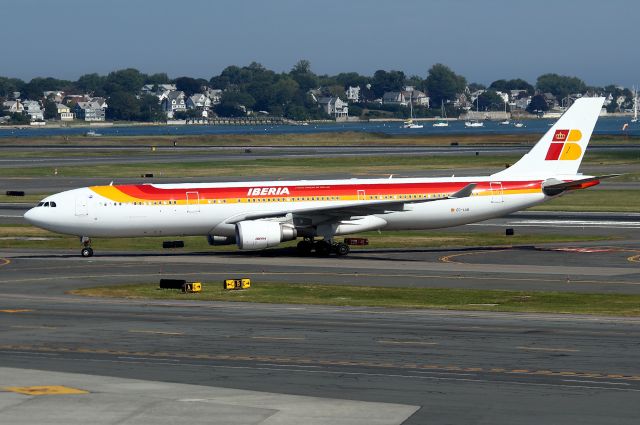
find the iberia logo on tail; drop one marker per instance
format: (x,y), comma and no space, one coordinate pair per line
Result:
(563,146)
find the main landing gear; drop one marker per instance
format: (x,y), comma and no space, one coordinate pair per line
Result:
(87,251)
(322,248)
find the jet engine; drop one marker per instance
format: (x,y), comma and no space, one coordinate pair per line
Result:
(263,234)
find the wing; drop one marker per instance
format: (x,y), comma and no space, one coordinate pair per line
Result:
(352,209)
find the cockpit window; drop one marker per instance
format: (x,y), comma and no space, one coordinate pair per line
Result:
(52,204)
(40,204)
(46,204)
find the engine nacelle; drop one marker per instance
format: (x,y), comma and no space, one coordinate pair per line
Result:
(220,240)
(263,234)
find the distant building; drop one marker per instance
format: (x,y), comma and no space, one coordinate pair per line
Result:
(56,96)
(174,102)
(353,94)
(156,89)
(13,106)
(395,98)
(89,111)
(334,106)
(199,102)
(214,95)
(416,97)
(551,100)
(33,109)
(63,112)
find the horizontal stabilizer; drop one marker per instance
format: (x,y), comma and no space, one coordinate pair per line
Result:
(553,187)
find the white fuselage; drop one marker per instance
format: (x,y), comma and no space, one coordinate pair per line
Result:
(88,212)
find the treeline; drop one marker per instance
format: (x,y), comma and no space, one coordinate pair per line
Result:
(289,94)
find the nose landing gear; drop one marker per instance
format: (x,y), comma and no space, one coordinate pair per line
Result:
(87,251)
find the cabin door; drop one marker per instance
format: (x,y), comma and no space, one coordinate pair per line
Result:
(496,193)
(193,202)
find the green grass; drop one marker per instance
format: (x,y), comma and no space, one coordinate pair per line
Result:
(427,298)
(595,201)
(17,237)
(281,167)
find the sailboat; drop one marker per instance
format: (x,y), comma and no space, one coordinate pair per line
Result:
(409,123)
(635,105)
(506,119)
(474,123)
(442,122)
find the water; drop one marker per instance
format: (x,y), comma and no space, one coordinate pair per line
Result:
(608,126)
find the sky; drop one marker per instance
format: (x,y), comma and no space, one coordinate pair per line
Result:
(486,40)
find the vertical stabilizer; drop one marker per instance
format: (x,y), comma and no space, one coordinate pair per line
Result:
(560,151)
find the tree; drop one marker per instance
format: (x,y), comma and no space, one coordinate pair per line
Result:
(490,101)
(560,85)
(151,110)
(123,106)
(128,80)
(443,84)
(91,83)
(506,86)
(302,74)
(158,78)
(384,81)
(473,87)
(538,104)
(10,85)
(188,85)
(50,109)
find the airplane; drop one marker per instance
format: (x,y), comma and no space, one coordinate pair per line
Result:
(259,215)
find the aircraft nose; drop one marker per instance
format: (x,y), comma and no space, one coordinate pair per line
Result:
(31,217)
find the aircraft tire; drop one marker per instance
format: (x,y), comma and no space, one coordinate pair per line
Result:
(342,249)
(323,249)
(304,247)
(86,252)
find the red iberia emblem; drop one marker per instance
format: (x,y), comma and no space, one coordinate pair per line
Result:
(563,146)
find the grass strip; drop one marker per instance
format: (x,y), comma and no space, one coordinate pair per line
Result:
(366,296)
(15,236)
(371,166)
(598,200)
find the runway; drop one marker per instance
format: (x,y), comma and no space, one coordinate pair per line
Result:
(252,363)
(448,367)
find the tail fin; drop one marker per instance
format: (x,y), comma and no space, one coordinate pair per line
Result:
(560,151)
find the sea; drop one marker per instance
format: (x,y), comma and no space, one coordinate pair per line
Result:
(604,126)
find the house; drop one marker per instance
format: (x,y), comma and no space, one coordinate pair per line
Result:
(33,109)
(101,101)
(395,98)
(174,102)
(56,96)
(13,106)
(521,103)
(416,97)
(156,89)
(551,100)
(334,106)
(353,94)
(89,111)
(214,95)
(64,112)
(199,102)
